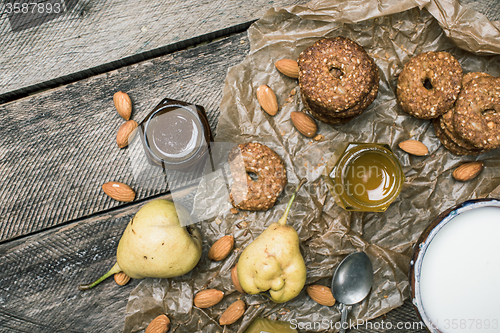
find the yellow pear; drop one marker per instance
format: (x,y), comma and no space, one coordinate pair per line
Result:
(155,244)
(273,262)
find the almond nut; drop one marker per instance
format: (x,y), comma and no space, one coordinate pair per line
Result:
(119,191)
(468,171)
(234,278)
(318,137)
(232,313)
(267,100)
(414,147)
(121,278)
(123,104)
(304,123)
(221,248)
(126,133)
(208,298)
(321,295)
(288,67)
(160,324)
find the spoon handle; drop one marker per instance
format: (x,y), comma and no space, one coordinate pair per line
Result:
(344,311)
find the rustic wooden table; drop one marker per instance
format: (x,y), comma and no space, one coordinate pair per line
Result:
(57,139)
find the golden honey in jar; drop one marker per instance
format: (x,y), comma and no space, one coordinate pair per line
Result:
(364,176)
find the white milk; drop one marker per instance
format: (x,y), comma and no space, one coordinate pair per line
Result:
(460,277)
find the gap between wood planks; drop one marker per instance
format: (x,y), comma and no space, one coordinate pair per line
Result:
(124,62)
(181,192)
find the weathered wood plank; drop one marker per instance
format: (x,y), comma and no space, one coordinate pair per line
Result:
(489,8)
(91,35)
(58,147)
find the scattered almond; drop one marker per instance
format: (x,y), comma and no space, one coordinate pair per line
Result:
(288,67)
(208,298)
(318,137)
(126,133)
(304,123)
(119,191)
(121,278)
(234,211)
(160,324)
(321,294)
(234,278)
(123,104)
(267,100)
(221,248)
(414,147)
(232,313)
(468,171)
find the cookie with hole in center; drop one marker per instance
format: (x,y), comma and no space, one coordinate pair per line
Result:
(335,74)
(338,80)
(257,160)
(429,84)
(477,113)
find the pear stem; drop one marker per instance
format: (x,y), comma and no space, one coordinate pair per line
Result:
(282,220)
(115,269)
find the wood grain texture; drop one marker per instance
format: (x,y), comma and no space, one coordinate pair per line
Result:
(489,8)
(95,33)
(58,147)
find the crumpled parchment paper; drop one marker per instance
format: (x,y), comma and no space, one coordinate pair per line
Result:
(391,31)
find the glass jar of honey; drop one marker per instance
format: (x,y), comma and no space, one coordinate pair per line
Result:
(364,177)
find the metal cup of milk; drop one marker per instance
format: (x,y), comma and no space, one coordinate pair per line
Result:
(455,270)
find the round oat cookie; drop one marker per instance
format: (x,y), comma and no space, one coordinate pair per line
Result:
(477,113)
(448,116)
(335,74)
(267,165)
(454,137)
(429,84)
(328,119)
(349,113)
(446,119)
(324,118)
(450,145)
(356,109)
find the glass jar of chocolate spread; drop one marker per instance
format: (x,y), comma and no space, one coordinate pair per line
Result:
(176,135)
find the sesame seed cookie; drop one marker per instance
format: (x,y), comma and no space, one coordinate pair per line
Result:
(449,144)
(267,165)
(477,113)
(453,136)
(449,116)
(357,109)
(429,84)
(325,118)
(337,78)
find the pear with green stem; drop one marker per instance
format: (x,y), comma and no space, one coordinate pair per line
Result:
(157,244)
(273,262)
